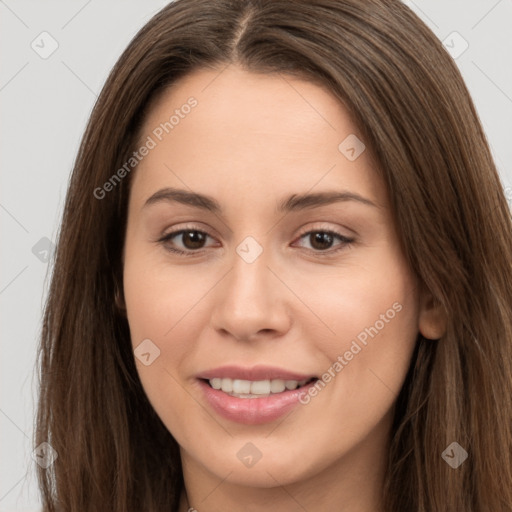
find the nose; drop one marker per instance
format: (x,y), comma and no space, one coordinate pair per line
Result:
(251,302)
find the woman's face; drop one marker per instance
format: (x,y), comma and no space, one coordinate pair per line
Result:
(291,275)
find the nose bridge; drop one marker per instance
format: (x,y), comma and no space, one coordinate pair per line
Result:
(248,281)
(248,299)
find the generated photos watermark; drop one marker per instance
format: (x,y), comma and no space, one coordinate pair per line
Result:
(157,135)
(356,346)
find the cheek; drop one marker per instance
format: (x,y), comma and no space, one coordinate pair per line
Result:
(157,296)
(373,299)
(373,311)
(159,309)
(157,302)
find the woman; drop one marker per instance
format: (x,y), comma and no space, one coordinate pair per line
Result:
(197,355)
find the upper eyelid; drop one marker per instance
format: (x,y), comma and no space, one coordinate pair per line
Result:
(179,231)
(198,228)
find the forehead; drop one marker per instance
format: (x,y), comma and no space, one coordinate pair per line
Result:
(256,133)
(267,105)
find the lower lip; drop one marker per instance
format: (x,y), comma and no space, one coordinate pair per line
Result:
(252,411)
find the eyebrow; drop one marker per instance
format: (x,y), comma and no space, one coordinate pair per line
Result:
(295,202)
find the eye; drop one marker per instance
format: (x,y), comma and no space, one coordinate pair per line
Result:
(192,241)
(321,240)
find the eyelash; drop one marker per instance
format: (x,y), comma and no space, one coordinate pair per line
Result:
(346,242)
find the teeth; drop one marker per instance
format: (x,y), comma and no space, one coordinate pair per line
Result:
(249,388)
(290,384)
(260,387)
(277,386)
(241,386)
(226,385)
(216,383)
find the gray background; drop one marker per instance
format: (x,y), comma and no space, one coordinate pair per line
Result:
(45,103)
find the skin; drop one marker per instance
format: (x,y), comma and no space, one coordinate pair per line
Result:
(251,141)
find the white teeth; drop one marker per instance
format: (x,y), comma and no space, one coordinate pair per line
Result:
(290,384)
(241,386)
(216,383)
(249,389)
(227,385)
(260,387)
(277,386)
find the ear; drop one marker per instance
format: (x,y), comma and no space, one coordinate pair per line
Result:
(432,319)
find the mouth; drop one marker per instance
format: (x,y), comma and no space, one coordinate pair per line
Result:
(241,388)
(252,396)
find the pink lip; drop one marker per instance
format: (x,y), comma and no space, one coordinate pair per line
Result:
(259,372)
(252,411)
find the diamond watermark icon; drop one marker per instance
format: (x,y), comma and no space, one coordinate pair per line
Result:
(455,44)
(454,455)
(44,455)
(249,249)
(43,249)
(249,455)
(351,147)
(44,45)
(146,352)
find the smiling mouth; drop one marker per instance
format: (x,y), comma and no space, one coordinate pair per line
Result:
(240,388)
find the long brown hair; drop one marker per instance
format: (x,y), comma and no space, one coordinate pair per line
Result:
(410,102)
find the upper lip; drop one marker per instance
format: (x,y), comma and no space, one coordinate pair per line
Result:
(253,373)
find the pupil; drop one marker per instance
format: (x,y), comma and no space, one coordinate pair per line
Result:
(323,239)
(193,239)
